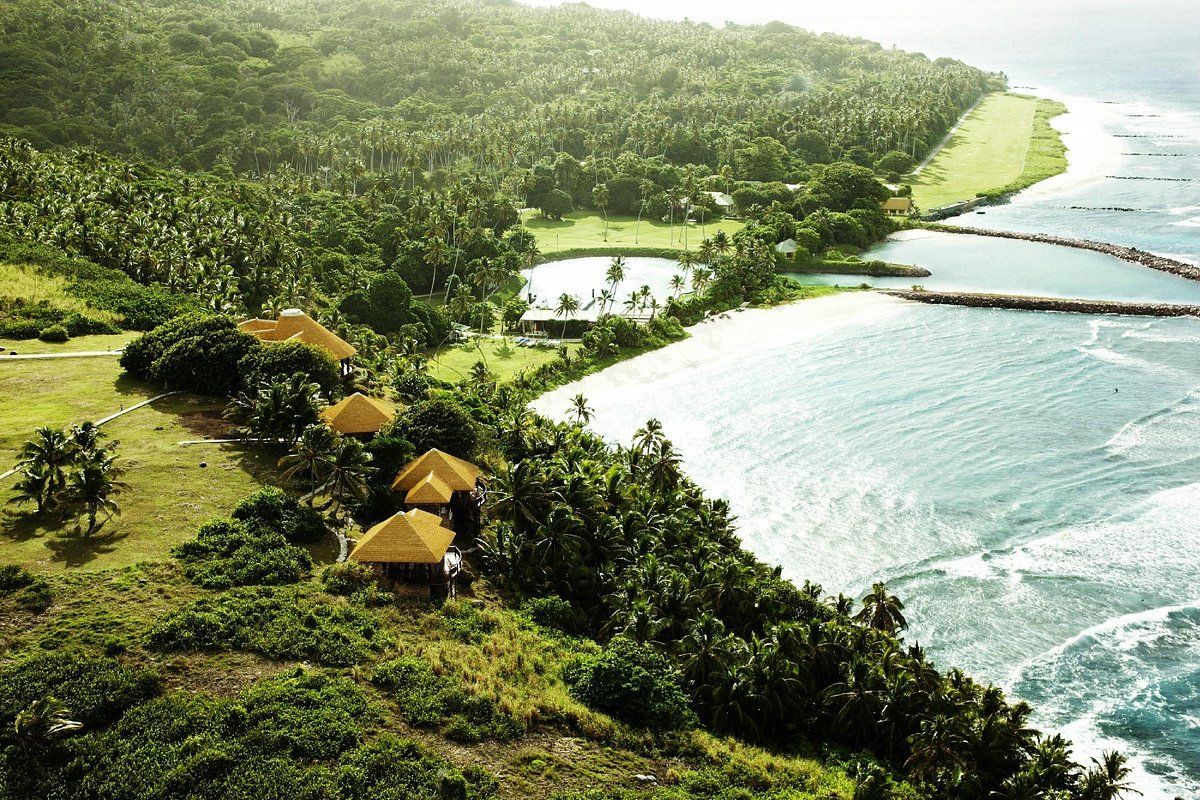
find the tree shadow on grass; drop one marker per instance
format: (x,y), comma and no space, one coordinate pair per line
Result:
(27,525)
(74,548)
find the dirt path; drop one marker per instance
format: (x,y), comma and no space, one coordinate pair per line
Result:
(78,354)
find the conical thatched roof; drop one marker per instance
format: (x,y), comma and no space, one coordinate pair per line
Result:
(429,491)
(358,414)
(456,474)
(294,325)
(410,537)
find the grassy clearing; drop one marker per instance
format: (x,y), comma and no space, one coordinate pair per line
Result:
(1006,144)
(80,344)
(169,493)
(582,230)
(502,357)
(23,282)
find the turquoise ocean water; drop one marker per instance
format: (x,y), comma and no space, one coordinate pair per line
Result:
(1028,482)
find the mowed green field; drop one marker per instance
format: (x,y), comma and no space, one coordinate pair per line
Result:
(583,230)
(1005,143)
(502,357)
(169,495)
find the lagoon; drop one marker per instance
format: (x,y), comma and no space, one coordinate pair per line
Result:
(1009,266)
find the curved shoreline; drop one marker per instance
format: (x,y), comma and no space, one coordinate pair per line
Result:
(1133,255)
(1027,303)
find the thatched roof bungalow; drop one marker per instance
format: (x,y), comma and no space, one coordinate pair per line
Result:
(294,325)
(358,414)
(433,478)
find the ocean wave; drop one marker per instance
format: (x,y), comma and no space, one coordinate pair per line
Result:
(1161,433)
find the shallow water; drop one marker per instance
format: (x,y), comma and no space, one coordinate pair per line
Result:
(1026,481)
(1009,266)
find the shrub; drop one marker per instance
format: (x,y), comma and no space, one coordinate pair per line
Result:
(274,509)
(439,423)
(139,355)
(428,700)
(206,363)
(20,329)
(275,622)
(555,612)
(13,578)
(280,361)
(347,578)
(82,325)
(54,333)
(95,689)
(228,553)
(305,715)
(633,683)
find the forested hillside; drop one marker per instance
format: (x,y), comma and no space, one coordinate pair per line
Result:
(337,90)
(175,166)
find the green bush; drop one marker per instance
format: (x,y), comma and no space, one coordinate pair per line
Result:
(347,578)
(95,689)
(555,612)
(274,509)
(275,622)
(280,361)
(632,682)
(13,578)
(20,328)
(139,355)
(229,553)
(54,333)
(439,423)
(428,700)
(206,363)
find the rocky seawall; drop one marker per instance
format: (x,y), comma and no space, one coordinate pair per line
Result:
(1023,303)
(874,269)
(1161,263)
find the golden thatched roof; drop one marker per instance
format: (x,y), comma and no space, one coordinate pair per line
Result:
(456,474)
(294,325)
(897,204)
(358,414)
(429,491)
(410,537)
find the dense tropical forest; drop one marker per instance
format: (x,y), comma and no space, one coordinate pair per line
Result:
(171,167)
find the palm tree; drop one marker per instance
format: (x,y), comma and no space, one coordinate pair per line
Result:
(580,409)
(567,305)
(676,286)
(600,198)
(92,486)
(437,253)
(882,611)
(1106,781)
(349,469)
(49,452)
(615,273)
(32,487)
(43,722)
(700,279)
(311,458)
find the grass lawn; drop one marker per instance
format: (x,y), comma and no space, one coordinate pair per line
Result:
(1006,143)
(502,357)
(585,230)
(169,493)
(114,341)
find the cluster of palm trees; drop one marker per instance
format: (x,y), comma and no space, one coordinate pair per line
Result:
(635,547)
(327,463)
(70,472)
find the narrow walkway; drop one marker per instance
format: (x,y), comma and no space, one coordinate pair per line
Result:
(77,354)
(109,418)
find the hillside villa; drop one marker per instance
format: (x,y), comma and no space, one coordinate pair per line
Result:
(898,206)
(358,415)
(294,325)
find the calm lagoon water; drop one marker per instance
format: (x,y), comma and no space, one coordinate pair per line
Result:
(1009,266)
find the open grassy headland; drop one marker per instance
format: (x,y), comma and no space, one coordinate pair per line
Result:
(584,230)
(474,681)
(1006,144)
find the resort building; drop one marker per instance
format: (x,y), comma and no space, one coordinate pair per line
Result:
(787,248)
(358,415)
(898,206)
(442,483)
(294,325)
(411,547)
(724,202)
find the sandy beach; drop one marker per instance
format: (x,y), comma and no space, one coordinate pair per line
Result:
(725,340)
